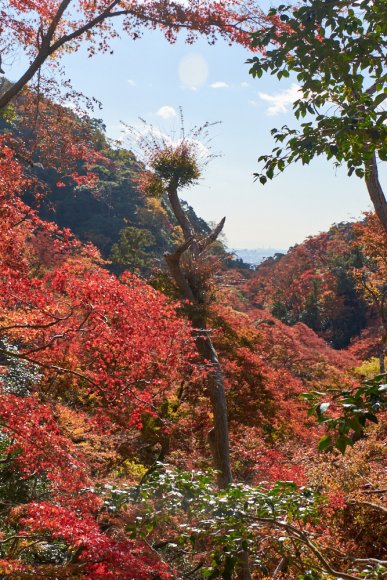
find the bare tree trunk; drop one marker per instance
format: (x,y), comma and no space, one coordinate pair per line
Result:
(382,366)
(383,349)
(375,191)
(218,436)
(243,570)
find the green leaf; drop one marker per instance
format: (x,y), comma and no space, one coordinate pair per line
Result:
(325,443)
(371,417)
(342,443)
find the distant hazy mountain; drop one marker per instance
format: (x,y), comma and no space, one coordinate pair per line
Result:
(257,255)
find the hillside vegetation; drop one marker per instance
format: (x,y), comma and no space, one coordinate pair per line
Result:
(166,411)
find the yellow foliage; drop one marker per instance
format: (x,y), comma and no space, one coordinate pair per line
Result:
(153,214)
(369,368)
(131,469)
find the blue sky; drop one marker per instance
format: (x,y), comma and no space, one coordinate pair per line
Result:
(150,78)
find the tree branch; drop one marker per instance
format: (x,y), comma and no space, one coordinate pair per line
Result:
(212,236)
(177,209)
(173,263)
(369,504)
(302,537)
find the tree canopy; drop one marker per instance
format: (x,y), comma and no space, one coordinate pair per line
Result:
(337,52)
(45,28)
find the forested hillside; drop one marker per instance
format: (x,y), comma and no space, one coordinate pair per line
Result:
(101,200)
(167,412)
(332,282)
(315,283)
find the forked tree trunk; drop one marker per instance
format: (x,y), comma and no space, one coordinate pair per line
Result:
(218,436)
